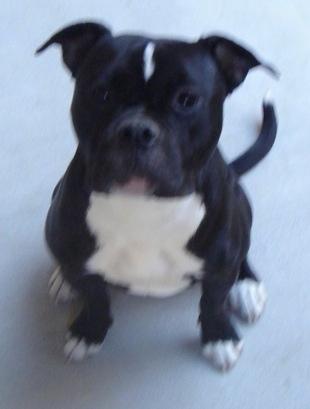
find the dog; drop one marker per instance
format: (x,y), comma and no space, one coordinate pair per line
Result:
(148,202)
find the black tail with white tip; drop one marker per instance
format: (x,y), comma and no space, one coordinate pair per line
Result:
(264,142)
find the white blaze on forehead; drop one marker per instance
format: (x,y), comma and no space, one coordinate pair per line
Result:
(149,65)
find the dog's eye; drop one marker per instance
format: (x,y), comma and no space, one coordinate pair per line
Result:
(100,94)
(186,101)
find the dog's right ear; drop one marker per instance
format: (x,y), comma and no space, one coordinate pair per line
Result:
(76,42)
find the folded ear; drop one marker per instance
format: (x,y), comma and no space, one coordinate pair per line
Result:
(233,60)
(76,41)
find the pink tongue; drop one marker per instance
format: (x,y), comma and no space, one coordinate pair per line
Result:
(135,186)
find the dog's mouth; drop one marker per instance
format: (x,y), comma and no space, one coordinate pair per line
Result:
(134,186)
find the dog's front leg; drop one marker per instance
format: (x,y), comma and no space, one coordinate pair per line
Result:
(223,241)
(221,344)
(88,330)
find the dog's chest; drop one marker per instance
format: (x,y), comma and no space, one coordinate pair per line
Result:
(141,241)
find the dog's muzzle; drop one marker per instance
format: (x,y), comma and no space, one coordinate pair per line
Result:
(139,156)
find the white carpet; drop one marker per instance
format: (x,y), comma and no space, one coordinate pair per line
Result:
(151,358)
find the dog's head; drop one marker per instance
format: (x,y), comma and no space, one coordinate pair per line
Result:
(148,112)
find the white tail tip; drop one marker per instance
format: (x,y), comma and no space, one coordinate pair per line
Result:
(269,98)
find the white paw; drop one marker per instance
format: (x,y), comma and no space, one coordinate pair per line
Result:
(60,290)
(76,350)
(247,299)
(223,355)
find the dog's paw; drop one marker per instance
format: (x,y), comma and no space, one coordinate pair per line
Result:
(77,349)
(247,299)
(60,291)
(222,355)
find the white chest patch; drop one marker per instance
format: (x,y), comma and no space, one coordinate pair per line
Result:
(149,65)
(141,241)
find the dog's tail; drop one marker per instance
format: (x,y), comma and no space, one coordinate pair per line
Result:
(264,142)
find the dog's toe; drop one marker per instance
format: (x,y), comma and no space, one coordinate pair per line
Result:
(247,299)
(76,349)
(60,291)
(223,355)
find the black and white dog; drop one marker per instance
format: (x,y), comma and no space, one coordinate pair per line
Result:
(148,203)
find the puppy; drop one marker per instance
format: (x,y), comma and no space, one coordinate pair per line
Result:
(148,203)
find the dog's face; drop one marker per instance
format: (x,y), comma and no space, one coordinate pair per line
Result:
(145,111)
(148,113)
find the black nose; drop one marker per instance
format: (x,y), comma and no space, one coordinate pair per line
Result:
(138,134)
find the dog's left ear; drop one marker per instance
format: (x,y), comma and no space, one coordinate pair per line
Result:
(233,60)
